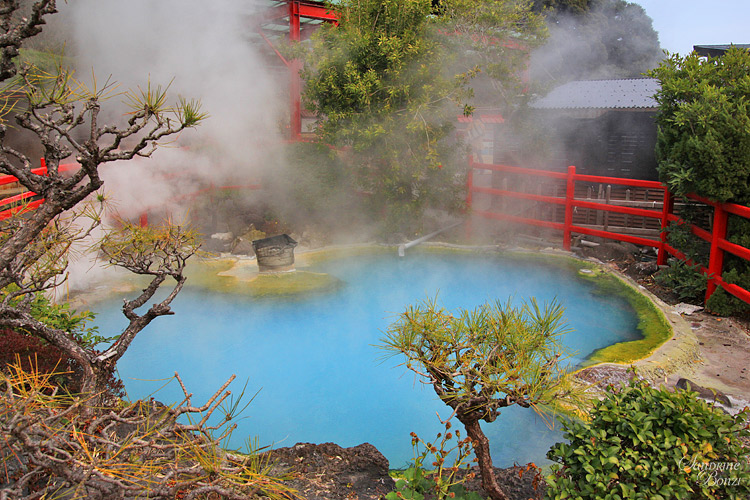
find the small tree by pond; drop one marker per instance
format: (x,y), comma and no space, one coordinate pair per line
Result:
(65,116)
(483,360)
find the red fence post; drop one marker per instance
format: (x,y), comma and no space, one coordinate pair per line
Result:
(716,257)
(570,192)
(295,118)
(143,220)
(469,230)
(666,211)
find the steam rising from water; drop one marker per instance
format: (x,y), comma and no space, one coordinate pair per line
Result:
(202,48)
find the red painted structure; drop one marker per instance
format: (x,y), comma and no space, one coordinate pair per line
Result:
(19,203)
(717,236)
(297,12)
(23,201)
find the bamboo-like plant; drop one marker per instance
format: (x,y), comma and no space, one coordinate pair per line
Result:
(483,360)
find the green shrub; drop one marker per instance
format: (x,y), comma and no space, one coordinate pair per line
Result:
(725,304)
(647,443)
(62,317)
(687,282)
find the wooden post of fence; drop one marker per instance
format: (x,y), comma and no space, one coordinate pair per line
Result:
(469,230)
(143,220)
(716,258)
(607,199)
(666,210)
(570,191)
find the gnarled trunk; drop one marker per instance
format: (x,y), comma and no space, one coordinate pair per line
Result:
(482,450)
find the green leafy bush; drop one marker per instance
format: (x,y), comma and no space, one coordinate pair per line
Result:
(685,277)
(687,282)
(63,317)
(703,143)
(34,353)
(725,304)
(648,443)
(703,146)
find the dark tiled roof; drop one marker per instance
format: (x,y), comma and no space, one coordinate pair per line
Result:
(601,94)
(717,50)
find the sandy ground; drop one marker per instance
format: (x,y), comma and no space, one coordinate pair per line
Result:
(724,346)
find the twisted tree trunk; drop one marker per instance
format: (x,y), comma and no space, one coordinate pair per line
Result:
(482,450)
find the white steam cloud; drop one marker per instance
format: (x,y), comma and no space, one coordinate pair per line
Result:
(201,50)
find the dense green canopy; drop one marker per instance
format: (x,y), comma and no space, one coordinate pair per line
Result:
(704,125)
(390,79)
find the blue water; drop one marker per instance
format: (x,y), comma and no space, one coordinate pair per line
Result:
(312,358)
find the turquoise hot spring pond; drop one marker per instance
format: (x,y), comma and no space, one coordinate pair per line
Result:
(312,360)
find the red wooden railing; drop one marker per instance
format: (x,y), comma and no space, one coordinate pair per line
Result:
(716,237)
(17,203)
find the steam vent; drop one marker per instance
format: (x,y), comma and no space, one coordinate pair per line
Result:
(275,254)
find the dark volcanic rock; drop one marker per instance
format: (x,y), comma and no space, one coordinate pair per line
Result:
(704,392)
(620,251)
(329,472)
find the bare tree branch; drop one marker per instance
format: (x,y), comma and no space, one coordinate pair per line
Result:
(137,451)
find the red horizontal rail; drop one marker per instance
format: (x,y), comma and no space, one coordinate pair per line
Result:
(522,196)
(63,167)
(637,240)
(716,237)
(17,198)
(562,175)
(10,212)
(519,170)
(616,208)
(735,249)
(700,232)
(740,210)
(617,180)
(9,179)
(313,11)
(523,220)
(735,290)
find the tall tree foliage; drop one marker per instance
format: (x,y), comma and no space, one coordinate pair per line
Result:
(704,125)
(389,81)
(703,143)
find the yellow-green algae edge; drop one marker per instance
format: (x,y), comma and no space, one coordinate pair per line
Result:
(652,323)
(238,275)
